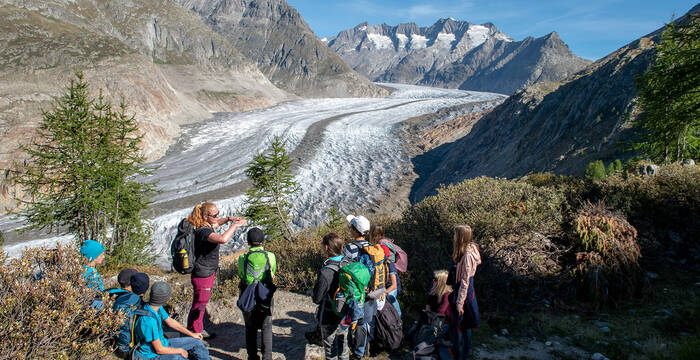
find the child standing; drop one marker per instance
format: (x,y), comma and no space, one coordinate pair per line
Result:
(393,283)
(258,265)
(466,256)
(333,336)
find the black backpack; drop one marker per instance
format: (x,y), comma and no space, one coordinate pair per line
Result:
(388,330)
(182,248)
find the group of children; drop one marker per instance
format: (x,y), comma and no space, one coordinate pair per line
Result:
(141,336)
(345,333)
(358,280)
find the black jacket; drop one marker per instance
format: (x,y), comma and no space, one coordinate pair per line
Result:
(324,290)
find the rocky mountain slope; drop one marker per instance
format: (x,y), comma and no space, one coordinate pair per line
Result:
(455,54)
(273,35)
(168,66)
(551,126)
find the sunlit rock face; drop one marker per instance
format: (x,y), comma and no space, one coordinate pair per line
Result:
(169,67)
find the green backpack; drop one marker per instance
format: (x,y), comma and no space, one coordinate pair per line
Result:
(353,279)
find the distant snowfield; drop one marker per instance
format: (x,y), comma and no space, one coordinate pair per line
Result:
(358,159)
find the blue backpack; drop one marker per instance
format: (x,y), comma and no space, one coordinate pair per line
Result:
(131,325)
(126,302)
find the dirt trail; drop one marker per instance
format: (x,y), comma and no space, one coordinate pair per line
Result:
(293,315)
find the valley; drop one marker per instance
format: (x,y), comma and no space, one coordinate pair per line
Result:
(348,153)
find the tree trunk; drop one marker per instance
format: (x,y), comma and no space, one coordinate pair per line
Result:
(115,231)
(287,229)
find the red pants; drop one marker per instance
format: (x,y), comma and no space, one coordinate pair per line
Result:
(202,293)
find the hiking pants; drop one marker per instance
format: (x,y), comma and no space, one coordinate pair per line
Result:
(202,293)
(461,339)
(194,347)
(258,320)
(335,340)
(365,326)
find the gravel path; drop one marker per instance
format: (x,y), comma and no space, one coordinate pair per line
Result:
(293,315)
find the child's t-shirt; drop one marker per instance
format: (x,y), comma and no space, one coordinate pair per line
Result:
(148,330)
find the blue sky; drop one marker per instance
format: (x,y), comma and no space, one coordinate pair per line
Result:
(591,28)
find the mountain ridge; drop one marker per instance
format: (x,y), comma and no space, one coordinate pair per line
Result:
(293,57)
(556,127)
(454,54)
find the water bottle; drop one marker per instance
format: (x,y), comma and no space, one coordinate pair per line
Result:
(185,259)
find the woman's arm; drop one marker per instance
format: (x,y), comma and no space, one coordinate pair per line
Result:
(226,236)
(175,325)
(164,350)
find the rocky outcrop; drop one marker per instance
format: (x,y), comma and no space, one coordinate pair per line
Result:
(455,54)
(553,126)
(160,58)
(273,35)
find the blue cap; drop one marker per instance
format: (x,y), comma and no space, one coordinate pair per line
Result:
(91,249)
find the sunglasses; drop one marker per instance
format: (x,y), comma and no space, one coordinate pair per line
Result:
(214,216)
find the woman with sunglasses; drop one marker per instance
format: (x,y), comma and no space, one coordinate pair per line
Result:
(205,218)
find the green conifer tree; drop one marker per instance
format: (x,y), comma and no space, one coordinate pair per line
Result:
(595,170)
(273,184)
(79,175)
(669,94)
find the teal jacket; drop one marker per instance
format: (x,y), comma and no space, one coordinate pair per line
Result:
(257,261)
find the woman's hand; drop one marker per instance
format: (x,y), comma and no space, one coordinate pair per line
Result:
(460,310)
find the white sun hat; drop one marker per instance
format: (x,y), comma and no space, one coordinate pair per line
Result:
(360,223)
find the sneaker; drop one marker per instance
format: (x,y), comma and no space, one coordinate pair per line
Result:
(207,335)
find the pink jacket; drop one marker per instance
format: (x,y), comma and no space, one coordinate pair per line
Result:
(466,268)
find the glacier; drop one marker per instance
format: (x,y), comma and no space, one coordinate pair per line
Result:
(356,157)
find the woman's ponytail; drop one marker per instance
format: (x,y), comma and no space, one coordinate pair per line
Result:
(195,217)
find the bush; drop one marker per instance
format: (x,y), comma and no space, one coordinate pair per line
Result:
(607,255)
(514,224)
(298,262)
(51,318)
(664,207)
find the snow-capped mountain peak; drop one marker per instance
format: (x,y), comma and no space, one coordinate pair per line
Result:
(453,53)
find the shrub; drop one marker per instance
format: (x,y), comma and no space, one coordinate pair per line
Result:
(298,261)
(663,207)
(51,318)
(513,223)
(608,255)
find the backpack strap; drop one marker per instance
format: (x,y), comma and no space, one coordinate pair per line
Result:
(142,312)
(248,268)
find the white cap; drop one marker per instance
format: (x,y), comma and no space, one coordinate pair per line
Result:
(360,223)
